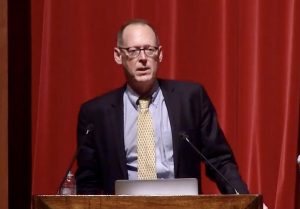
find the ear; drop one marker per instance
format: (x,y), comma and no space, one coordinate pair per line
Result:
(160,51)
(117,56)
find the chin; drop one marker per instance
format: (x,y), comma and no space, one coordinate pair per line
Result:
(145,78)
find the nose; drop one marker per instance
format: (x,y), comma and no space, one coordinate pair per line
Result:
(143,57)
(142,54)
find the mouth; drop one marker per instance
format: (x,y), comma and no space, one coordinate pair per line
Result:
(143,69)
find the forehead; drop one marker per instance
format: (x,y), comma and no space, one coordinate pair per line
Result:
(138,35)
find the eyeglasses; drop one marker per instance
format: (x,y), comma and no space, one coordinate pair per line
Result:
(133,52)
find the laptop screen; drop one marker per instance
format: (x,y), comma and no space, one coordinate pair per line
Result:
(183,186)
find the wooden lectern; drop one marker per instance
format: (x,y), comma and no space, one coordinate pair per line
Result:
(147,202)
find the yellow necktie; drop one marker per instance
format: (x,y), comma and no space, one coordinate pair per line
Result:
(145,143)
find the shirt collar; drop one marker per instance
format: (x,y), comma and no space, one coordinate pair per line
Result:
(134,97)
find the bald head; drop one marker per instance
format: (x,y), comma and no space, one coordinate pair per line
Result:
(120,40)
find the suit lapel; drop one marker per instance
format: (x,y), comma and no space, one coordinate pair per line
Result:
(171,99)
(117,129)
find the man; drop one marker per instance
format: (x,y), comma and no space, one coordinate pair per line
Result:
(107,126)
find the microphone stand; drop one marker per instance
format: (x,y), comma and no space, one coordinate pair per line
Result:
(185,137)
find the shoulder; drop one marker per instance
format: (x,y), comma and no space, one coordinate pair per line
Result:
(185,91)
(113,97)
(180,86)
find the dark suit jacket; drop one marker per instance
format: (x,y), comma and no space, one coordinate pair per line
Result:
(101,153)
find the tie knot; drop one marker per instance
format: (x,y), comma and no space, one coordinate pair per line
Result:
(144,103)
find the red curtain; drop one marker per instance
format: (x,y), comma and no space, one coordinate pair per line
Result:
(245,52)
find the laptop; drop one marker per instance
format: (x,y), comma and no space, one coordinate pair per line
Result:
(162,187)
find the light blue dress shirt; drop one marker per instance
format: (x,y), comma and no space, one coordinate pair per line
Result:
(162,131)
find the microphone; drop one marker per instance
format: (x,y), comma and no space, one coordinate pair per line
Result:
(88,131)
(185,137)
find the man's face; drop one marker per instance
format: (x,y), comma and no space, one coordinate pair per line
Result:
(142,68)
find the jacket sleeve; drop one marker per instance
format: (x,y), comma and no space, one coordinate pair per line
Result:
(217,150)
(88,172)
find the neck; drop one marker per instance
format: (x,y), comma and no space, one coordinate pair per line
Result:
(143,89)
